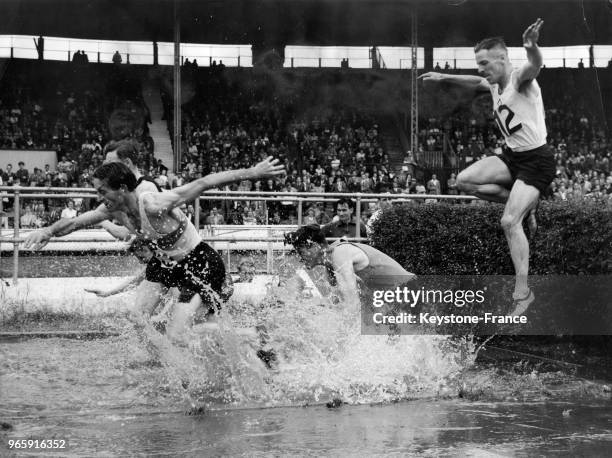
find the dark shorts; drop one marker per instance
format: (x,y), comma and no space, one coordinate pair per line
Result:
(535,167)
(202,269)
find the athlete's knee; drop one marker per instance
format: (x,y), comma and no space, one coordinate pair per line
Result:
(510,222)
(464,183)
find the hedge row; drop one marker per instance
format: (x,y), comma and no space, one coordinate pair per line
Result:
(444,239)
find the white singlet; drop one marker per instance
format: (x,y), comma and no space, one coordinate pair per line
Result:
(520,115)
(176,244)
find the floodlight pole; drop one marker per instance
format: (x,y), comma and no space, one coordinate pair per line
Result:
(414,89)
(177,89)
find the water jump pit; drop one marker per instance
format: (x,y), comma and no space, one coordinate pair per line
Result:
(75,368)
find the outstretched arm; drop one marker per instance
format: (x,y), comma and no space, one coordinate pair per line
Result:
(119,232)
(343,261)
(38,239)
(125,284)
(531,68)
(473,82)
(164,202)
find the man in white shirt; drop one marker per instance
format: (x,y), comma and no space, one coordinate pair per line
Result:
(69,211)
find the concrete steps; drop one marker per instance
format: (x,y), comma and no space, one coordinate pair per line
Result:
(390,138)
(158,129)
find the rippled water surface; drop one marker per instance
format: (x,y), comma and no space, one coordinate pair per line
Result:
(137,392)
(115,396)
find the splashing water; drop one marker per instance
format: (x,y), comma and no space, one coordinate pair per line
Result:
(320,354)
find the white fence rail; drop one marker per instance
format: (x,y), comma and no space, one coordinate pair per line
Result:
(221,237)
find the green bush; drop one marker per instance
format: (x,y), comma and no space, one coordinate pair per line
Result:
(573,238)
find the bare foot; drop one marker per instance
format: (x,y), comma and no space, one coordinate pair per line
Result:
(521,304)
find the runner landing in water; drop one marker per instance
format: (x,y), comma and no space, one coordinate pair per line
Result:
(354,267)
(155,216)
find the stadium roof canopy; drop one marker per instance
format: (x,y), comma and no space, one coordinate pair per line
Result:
(275,23)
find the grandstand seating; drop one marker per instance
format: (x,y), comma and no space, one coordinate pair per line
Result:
(336,130)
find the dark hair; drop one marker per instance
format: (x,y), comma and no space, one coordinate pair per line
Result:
(305,236)
(138,244)
(125,149)
(344,201)
(116,174)
(489,43)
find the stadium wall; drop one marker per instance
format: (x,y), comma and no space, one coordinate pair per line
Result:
(31,158)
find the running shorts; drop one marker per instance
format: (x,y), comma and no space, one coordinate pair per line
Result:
(200,270)
(535,167)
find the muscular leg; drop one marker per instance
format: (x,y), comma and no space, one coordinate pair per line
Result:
(148,297)
(182,317)
(488,179)
(522,199)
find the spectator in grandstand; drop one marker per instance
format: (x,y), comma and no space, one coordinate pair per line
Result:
(396,187)
(69,211)
(22,175)
(310,217)
(117,59)
(42,217)
(434,186)
(276,218)
(49,174)
(528,167)
(161,179)
(214,217)
(236,215)
(411,184)
(451,185)
(189,213)
(9,177)
(249,218)
(321,215)
(344,223)
(64,169)
(28,219)
(366,183)
(37,178)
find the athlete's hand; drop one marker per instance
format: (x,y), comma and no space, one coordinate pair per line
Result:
(432,77)
(269,167)
(37,240)
(97,291)
(531,35)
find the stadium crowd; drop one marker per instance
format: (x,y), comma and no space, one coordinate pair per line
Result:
(228,125)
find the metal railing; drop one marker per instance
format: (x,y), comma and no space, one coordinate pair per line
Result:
(17,193)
